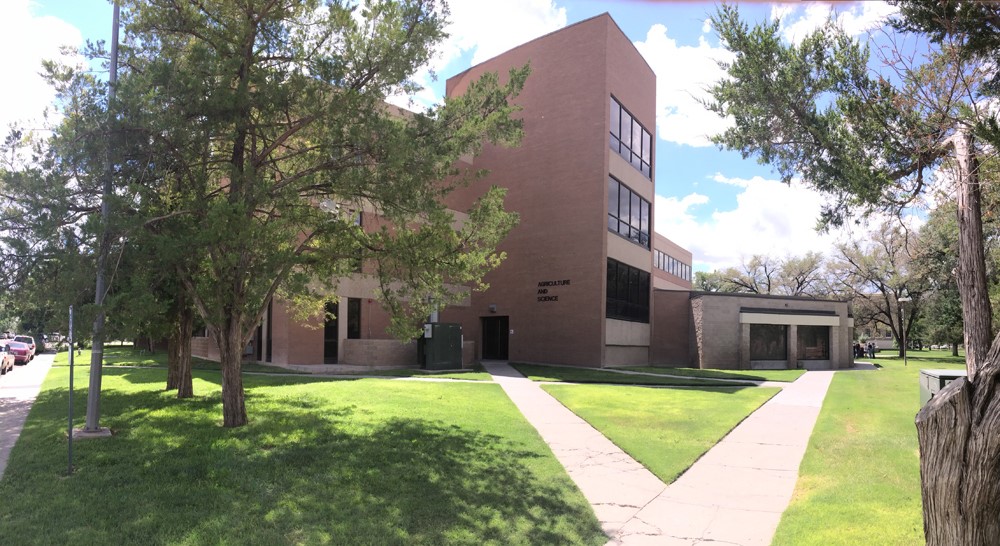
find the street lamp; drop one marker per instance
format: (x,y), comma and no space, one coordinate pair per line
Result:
(902,320)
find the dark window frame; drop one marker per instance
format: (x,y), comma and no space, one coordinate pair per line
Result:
(620,221)
(627,292)
(623,142)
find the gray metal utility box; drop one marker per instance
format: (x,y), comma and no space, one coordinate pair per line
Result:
(440,348)
(932,381)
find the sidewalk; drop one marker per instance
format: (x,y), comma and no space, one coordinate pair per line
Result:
(18,390)
(734,494)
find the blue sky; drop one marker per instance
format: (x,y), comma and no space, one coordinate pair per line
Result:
(721,207)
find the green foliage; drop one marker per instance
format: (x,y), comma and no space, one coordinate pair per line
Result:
(816,110)
(974,27)
(323,461)
(265,136)
(879,269)
(247,141)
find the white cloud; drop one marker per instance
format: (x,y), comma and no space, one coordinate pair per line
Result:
(683,74)
(485,29)
(855,18)
(28,40)
(769,218)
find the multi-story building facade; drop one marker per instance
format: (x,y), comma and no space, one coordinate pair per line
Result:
(583,265)
(576,286)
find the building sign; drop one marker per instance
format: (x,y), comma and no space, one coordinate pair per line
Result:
(545,289)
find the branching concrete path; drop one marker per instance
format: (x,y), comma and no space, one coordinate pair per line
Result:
(734,494)
(18,390)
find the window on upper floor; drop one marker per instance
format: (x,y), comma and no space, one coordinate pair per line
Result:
(630,139)
(628,293)
(665,262)
(628,213)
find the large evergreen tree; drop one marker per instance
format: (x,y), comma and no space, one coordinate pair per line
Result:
(248,137)
(816,110)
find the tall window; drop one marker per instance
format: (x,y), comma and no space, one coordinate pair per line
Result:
(630,139)
(628,292)
(813,343)
(768,342)
(628,213)
(353,318)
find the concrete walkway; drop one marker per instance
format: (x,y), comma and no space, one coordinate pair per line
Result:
(734,494)
(18,390)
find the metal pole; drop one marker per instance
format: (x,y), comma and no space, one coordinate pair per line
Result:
(69,468)
(902,322)
(902,316)
(97,349)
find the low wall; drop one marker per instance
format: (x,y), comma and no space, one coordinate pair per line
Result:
(379,352)
(205,347)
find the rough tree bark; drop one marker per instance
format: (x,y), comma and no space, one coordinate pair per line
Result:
(959,430)
(185,328)
(179,352)
(231,343)
(173,361)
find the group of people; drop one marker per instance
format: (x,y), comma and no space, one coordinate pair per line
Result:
(861,351)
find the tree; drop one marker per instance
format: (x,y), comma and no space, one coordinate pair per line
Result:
(876,273)
(815,110)
(257,132)
(791,276)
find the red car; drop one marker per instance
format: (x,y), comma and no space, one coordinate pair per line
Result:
(21,351)
(29,341)
(6,360)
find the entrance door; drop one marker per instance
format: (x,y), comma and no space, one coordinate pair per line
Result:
(495,336)
(330,334)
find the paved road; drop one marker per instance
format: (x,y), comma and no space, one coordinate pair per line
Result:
(18,390)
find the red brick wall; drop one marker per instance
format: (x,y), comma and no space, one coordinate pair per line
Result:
(558,184)
(671,340)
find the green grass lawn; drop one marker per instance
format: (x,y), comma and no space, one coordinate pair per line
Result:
(859,482)
(746,375)
(126,355)
(322,461)
(666,430)
(565,374)
(468,375)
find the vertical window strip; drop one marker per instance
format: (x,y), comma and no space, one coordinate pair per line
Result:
(627,292)
(630,139)
(629,214)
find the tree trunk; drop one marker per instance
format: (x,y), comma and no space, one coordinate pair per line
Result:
(959,435)
(230,340)
(954,349)
(185,328)
(959,430)
(972,287)
(173,360)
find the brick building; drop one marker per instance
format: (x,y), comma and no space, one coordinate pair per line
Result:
(587,281)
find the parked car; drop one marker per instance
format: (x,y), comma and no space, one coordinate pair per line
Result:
(30,342)
(6,360)
(21,351)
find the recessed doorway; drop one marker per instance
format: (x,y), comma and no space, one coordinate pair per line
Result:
(495,337)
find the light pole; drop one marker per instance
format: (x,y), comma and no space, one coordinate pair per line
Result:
(902,320)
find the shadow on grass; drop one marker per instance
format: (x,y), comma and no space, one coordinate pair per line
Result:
(597,376)
(306,471)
